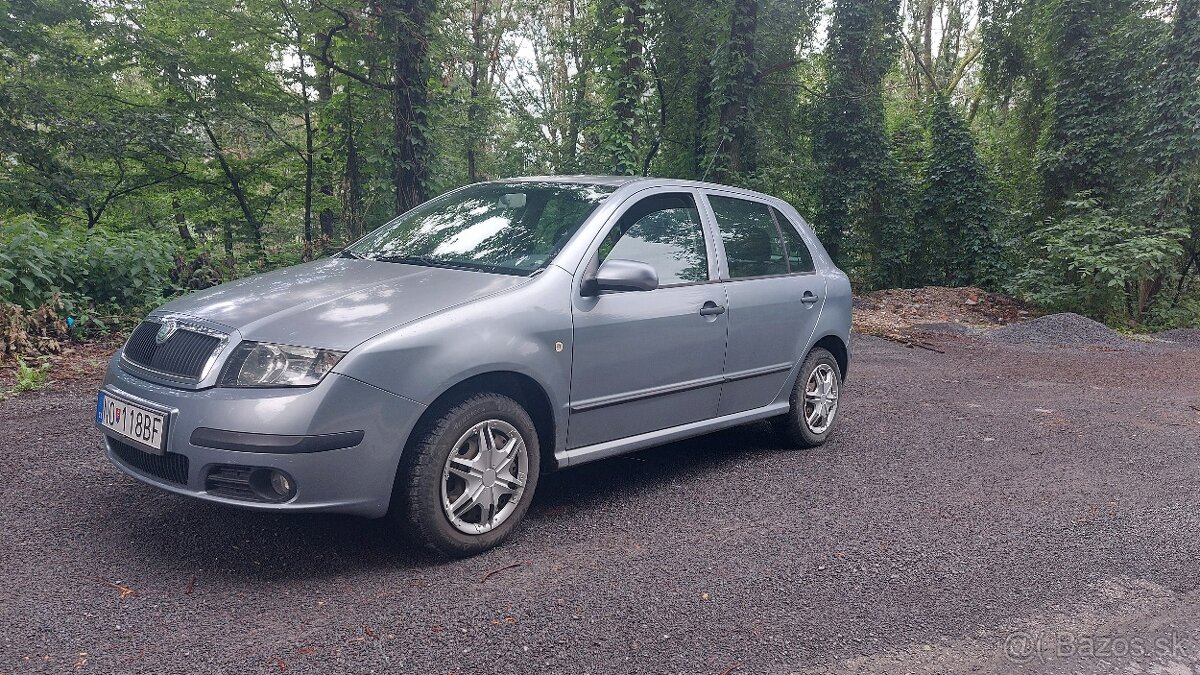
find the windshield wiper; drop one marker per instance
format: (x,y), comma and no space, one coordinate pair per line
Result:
(347,253)
(428,261)
(414,260)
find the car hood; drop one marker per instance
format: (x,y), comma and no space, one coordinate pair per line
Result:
(336,303)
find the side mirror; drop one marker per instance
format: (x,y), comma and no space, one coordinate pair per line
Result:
(621,275)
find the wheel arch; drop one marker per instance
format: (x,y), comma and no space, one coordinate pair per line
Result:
(518,386)
(836,346)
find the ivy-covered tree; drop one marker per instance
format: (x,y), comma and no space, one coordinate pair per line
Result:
(735,144)
(857,218)
(956,222)
(1089,111)
(1171,149)
(625,56)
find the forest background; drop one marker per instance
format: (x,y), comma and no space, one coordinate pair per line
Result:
(1048,149)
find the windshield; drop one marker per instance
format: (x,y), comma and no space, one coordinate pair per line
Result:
(514,228)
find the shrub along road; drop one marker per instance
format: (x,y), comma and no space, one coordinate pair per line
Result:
(986,509)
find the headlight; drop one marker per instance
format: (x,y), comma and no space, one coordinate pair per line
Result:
(261,364)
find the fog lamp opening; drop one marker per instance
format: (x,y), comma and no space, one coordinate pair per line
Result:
(272,484)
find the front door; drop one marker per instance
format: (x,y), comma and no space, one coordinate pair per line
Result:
(774,295)
(649,360)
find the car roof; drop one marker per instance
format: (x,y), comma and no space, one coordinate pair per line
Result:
(621,181)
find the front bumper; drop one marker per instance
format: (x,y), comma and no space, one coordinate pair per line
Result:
(355,480)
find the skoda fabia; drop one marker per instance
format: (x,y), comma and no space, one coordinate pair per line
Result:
(435,368)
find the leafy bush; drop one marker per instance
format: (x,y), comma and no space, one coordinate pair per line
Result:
(1093,261)
(204,269)
(31,332)
(82,267)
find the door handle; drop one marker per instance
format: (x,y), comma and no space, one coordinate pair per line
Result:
(809,297)
(711,308)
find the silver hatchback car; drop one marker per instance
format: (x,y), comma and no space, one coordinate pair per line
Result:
(434,369)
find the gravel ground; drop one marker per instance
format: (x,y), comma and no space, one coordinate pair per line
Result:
(1187,335)
(990,509)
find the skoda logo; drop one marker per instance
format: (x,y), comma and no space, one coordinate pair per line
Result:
(165,331)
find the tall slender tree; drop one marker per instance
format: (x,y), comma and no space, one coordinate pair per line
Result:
(628,75)
(850,143)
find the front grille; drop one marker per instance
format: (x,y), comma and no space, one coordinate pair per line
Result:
(183,354)
(227,480)
(171,467)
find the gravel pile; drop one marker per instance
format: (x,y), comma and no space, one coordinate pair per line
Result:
(1060,329)
(1190,336)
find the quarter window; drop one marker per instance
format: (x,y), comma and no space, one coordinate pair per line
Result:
(752,244)
(663,231)
(798,255)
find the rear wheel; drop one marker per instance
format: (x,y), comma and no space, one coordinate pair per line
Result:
(467,481)
(814,401)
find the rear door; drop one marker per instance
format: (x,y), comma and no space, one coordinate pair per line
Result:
(649,360)
(774,295)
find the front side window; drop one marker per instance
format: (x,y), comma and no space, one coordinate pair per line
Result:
(513,228)
(752,244)
(663,231)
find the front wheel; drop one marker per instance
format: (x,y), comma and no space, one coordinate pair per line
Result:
(467,480)
(814,401)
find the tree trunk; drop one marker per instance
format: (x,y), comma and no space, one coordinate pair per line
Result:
(583,67)
(243,201)
(324,95)
(479,64)
(409,22)
(927,36)
(1183,276)
(181,223)
(354,190)
(703,103)
(735,112)
(630,87)
(308,150)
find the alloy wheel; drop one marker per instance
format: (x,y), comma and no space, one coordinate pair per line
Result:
(484,477)
(820,398)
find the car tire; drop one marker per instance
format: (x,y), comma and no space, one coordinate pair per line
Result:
(425,498)
(819,375)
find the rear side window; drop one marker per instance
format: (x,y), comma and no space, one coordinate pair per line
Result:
(798,255)
(663,231)
(752,244)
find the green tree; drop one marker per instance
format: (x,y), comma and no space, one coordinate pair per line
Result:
(956,222)
(1171,149)
(1084,142)
(857,219)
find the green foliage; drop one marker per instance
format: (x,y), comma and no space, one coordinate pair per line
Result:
(83,266)
(1094,260)
(157,146)
(954,233)
(859,220)
(202,269)
(1086,136)
(30,378)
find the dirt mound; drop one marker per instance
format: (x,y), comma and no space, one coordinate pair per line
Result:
(1066,329)
(948,328)
(894,311)
(1190,336)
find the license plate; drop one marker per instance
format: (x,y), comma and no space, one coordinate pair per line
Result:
(134,422)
